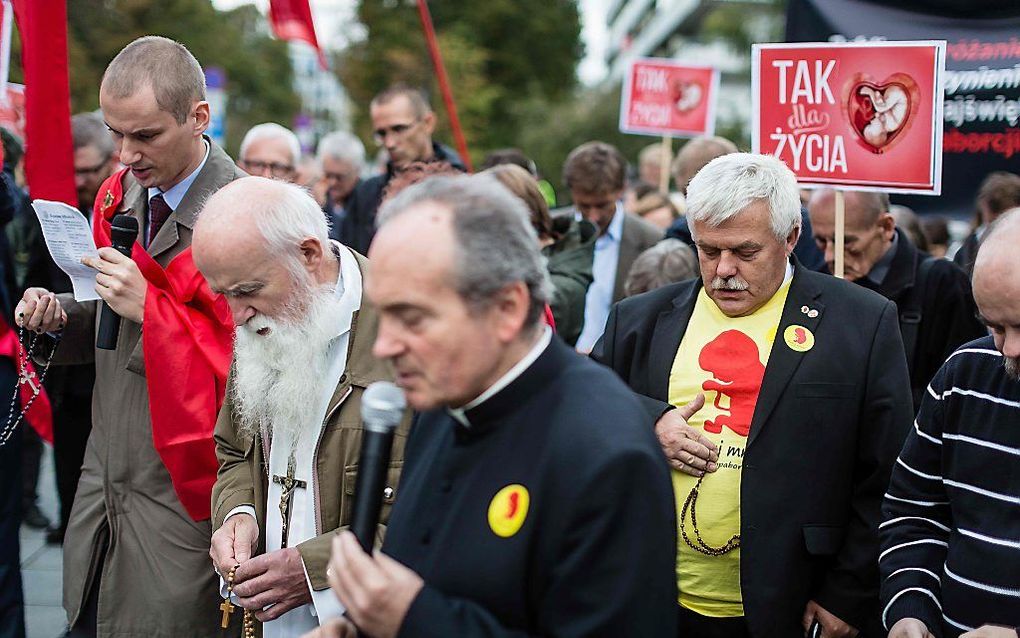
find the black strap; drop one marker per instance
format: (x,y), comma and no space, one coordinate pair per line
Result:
(910,314)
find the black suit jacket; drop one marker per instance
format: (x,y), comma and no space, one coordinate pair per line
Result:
(826,430)
(593,555)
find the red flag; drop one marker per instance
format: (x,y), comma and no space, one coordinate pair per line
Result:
(49,157)
(187,345)
(292,20)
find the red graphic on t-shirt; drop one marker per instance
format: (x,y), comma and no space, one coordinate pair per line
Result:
(733,360)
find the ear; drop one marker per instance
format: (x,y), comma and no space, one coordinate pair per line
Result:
(888,225)
(429,121)
(312,254)
(791,240)
(202,117)
(510,311)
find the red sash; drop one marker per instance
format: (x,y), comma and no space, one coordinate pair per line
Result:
(40,415)
(187,344)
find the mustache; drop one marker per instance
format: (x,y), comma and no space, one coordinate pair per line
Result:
(729,283)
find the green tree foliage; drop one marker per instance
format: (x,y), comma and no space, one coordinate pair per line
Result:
(258,69)
(498,53)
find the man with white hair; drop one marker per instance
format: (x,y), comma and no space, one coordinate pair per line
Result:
(341,158)
(781,398)
(289,433)
(270,150)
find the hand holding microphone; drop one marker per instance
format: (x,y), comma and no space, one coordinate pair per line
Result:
(118,281)
(382,407)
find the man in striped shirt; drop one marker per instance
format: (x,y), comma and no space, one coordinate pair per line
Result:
(950,558)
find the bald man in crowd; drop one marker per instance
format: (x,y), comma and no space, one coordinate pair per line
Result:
(949,559)
(933,298)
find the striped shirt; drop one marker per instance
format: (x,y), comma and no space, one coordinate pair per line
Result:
(951,518)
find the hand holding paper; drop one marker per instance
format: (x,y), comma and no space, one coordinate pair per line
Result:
(69,239)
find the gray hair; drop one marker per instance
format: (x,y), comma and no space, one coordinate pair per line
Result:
(729,184)
(667,262)
(168,67)
(343,146)
(272,131)
(496,244)
(88,129)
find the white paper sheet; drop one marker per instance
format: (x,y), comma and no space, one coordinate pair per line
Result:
(69,238)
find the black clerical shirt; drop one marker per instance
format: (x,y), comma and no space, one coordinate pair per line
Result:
(550,514)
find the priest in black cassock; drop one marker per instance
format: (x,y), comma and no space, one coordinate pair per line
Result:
(536,499)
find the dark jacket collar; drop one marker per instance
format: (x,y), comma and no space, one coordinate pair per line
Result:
(505,403)
(440,153)
(902,270)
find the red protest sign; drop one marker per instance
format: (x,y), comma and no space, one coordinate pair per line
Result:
(861,115)
(665,97)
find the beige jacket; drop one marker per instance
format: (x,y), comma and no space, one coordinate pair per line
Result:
(243,477)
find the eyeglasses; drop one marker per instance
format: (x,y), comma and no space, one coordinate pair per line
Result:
(275,169)
(85,172)
(398,130)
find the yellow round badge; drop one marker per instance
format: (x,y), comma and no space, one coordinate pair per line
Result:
(508,509)
(799,338)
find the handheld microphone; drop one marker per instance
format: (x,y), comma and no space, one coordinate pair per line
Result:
(123,232)
(382,406)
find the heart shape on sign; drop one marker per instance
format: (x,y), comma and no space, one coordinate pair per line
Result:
(880,113)
(686,95)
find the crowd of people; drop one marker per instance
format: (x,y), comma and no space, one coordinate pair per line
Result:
(644,413)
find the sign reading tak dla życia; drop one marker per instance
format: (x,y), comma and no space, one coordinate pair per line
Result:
(857,116)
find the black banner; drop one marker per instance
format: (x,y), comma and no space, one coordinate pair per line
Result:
(982,87)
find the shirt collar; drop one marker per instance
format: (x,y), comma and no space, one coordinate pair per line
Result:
(348,287)
(615,230)
(173,195)
(879,271)
(543,342)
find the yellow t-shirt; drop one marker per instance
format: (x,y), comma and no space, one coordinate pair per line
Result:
(725,359)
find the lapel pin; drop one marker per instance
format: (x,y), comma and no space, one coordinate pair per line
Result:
(804,309)
(798,338)
(812,313)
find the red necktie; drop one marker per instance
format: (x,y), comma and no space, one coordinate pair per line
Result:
(159,212)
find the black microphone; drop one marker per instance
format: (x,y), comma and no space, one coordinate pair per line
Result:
(382,406)
(123,232)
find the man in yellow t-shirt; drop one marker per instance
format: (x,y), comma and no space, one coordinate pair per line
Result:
(781,398)
(723,358)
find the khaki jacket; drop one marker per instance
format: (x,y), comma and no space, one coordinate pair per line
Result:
(128,530)
(243,478)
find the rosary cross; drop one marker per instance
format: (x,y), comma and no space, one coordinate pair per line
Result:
(29,378)
(287,484)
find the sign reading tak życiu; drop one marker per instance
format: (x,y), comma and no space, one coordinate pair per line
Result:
(864,116)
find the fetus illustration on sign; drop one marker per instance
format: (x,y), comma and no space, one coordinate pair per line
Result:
(880,113)
(686,95)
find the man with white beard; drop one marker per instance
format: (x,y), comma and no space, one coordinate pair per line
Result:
(289,433)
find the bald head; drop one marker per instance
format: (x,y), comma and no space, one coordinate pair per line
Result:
(695,155)
(997,288)
(173,73)
(254,227)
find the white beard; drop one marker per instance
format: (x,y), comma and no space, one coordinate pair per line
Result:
(276,375)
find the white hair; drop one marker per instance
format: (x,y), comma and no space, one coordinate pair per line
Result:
(272,131)
(343,146)
(729,184)
(288,217)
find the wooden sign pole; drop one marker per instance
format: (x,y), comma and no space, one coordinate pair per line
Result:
(840,232)
(667,151)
